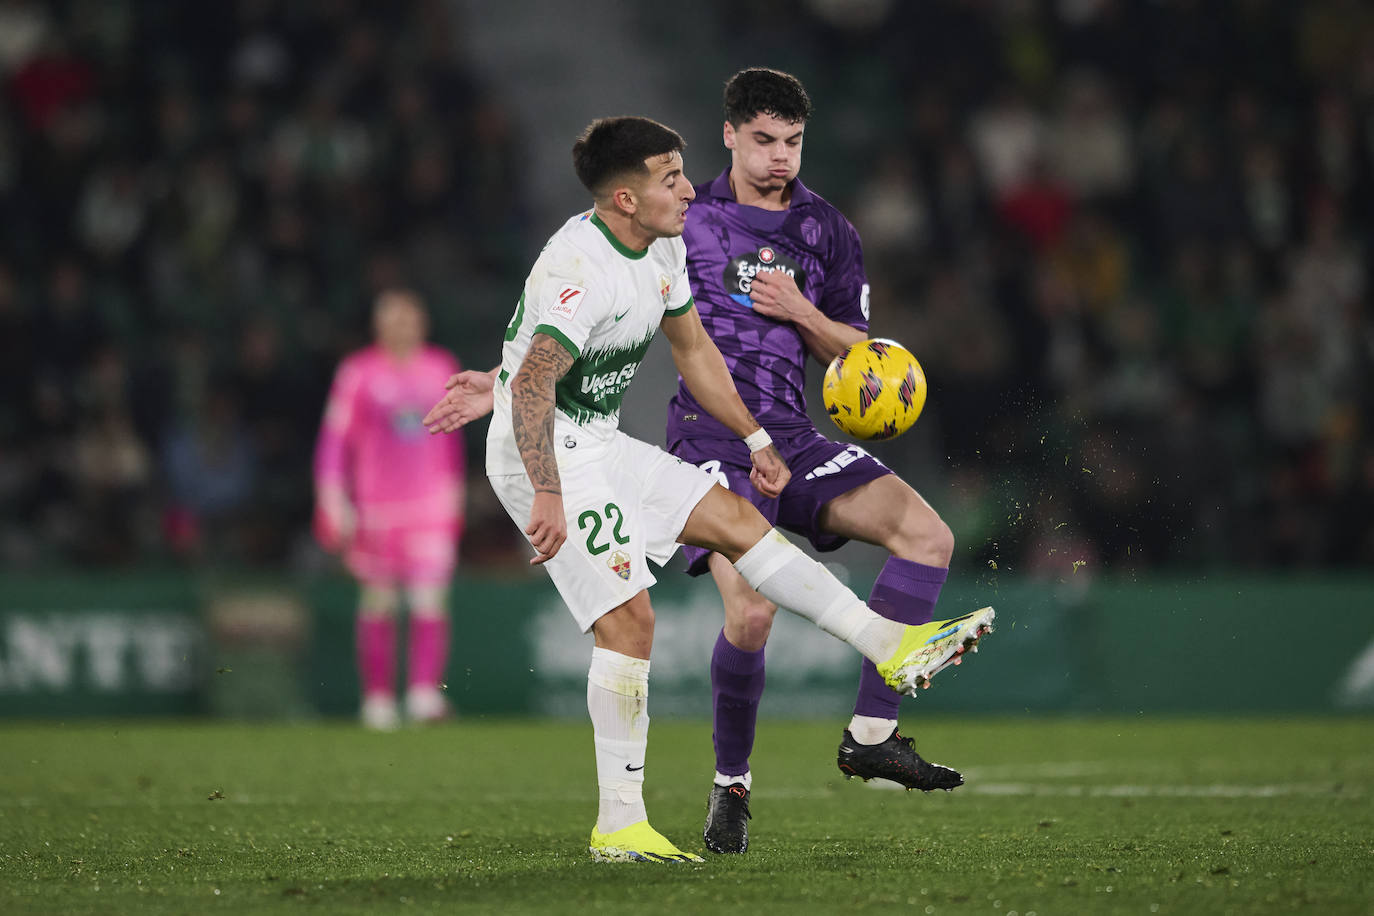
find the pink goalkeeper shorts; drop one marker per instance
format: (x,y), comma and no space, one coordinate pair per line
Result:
(416,555)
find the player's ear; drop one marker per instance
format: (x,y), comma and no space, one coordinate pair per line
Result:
(625,200)
(728,135)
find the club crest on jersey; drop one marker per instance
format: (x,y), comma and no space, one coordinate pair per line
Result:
(405,423)
(619,563)
(664,287)
(811,231)
(565,304)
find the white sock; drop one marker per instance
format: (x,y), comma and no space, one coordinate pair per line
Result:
(777,569)
(723,780)
(871,729)
(618,702)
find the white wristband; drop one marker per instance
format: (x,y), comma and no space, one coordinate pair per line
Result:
(758,440)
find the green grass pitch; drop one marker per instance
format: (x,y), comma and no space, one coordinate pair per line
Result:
(1059,816)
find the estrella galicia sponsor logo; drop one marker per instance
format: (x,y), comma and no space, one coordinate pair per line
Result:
(741,270)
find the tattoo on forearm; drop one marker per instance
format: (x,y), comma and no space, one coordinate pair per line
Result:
(532,407)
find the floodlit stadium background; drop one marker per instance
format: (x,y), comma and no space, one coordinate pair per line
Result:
(1129,242)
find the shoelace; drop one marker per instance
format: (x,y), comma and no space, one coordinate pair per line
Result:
(922,765)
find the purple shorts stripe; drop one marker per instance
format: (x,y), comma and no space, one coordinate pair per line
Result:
(821,471)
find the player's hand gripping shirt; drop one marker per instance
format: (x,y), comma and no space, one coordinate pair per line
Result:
(728,245)
(603,302)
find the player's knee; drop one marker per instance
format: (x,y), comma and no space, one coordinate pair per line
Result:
(627,629)
(941,543)
(427,600)
(924,539)
(742,527)
(639,617)
(378,600)
(751,624)
(726,523)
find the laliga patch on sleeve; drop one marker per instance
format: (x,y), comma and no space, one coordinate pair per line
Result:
(565,304)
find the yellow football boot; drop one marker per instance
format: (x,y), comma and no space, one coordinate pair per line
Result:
(636,843)
(927,649)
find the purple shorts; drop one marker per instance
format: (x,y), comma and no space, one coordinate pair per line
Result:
(821,471)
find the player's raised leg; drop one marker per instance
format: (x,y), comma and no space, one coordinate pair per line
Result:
(888,512)
(618,703)
(907,657)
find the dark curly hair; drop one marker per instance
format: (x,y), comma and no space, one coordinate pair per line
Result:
(759,90)
(613,147)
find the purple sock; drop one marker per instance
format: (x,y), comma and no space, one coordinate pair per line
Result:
(736,685)
(906,592)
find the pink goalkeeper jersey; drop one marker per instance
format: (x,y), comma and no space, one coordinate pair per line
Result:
(373,444)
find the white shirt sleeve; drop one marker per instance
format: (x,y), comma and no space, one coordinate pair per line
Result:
(570,305)
(679,294)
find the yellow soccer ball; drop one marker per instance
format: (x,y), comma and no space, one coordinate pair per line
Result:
(874,390)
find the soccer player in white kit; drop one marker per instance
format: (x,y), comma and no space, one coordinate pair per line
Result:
(596,504)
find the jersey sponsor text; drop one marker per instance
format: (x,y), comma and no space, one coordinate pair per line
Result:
(851,454)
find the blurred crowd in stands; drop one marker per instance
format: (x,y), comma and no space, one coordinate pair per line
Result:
(1129,241)
(200,201)
(1131,244)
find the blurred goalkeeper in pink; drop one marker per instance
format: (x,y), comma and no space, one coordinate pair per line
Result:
(389,497)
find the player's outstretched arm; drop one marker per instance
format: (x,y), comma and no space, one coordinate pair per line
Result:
(468,398)
(532,407)
(705,373)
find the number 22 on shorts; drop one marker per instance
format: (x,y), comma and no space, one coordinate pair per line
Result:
(592,522)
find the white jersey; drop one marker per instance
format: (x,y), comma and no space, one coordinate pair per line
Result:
(604,303)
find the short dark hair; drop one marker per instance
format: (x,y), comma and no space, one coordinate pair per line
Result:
(614,147)
(759,90)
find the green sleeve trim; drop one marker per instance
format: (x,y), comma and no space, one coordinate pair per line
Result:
(682,309)
(559,336)
(503,376)
(615,242)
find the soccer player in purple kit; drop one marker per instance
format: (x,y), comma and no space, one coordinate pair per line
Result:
(778,275)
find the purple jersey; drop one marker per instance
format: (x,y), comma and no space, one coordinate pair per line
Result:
(727,244)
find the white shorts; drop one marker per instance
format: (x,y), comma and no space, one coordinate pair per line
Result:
(625,501)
